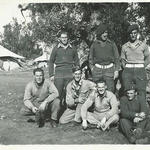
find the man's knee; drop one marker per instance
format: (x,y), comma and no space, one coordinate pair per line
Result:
(25,111)
(63,120)
(123,121)
(116,118)
(56,103)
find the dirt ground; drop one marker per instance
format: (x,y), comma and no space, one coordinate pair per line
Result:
(14,128)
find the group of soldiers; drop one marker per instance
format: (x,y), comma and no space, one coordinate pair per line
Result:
(68,97)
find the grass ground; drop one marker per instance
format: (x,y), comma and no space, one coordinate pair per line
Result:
(14,128)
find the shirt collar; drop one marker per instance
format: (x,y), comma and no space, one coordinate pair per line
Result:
(38,86)
(79,84)
(105,94)
(138,43)
(63,46)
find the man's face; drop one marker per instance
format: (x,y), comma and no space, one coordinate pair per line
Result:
(64,38)
(104,36)
(101,88)
(39,77)
(133,35)
(77,75)
(131,94)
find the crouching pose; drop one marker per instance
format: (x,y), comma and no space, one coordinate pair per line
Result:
(134,119)
(40,99)
(105,108)
(77,93)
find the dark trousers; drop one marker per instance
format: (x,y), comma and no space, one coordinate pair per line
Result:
(61,84)
(51,110)
(127,125)
(106,74)
(136,76)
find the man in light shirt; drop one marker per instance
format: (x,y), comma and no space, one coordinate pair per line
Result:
(135,57)
(41,99)
(77,93)
(105,108)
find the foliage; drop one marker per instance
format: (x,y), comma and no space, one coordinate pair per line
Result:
(47,19)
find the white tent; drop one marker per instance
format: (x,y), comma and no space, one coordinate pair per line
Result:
(6,53)
(10,59)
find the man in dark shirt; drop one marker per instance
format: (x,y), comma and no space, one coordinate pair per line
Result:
(64,56)
(104,58)
(134,116)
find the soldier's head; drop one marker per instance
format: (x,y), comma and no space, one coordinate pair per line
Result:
(63,37)
(101,86)
(102,32)
(131,92)
(77,73)
(133,32)
(38,75)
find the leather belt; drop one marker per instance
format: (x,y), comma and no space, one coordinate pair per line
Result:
(134,65)
(104,66)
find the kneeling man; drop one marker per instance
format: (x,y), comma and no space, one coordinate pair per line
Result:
(134,116)
(40,99)
(77,92)
(105,108)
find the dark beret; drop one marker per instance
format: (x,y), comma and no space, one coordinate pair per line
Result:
(133,27)
(76,68)
(130,87)
(101,29)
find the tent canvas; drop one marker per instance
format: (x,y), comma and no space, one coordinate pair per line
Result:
(9,59)
(6,53)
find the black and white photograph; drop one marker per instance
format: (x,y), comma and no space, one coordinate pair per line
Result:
(75,73)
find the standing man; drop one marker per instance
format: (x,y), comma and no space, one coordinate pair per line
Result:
(104,58)
(41,99)
(105,108)
(64,56)
(77,93)
(134,113)
(135,57)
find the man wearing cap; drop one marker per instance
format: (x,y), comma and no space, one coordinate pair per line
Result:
(104,58)
(77,92)
(64,56)
(134,116)
(135,57)
(105,108)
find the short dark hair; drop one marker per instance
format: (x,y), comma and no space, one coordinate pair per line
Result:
(76,68)
(100,81)
(38,70)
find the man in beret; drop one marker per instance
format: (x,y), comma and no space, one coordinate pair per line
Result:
(77,92)
(104,58)
(134,119)
(135,57)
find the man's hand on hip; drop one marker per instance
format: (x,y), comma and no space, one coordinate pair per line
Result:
(116,74)
(52,78)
